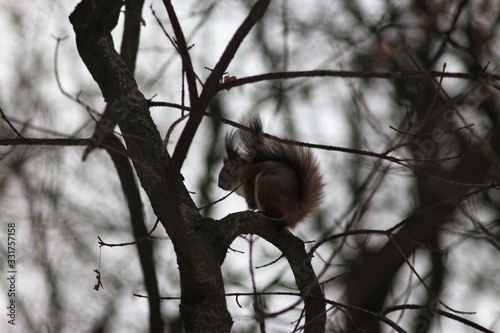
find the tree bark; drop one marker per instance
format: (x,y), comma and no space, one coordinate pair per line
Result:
(203,305)
(200,244)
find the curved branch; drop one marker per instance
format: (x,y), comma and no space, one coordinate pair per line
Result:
(203,305)
(128,52)
(292,248)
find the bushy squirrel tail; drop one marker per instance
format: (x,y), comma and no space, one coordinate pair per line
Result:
(257,148)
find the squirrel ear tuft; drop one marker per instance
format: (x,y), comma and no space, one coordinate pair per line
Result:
(231,150)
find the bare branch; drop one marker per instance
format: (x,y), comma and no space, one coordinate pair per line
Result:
(487,77)
(10,124)
(45,142)
(211,87)
(102,243)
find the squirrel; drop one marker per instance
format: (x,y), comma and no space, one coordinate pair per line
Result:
(281,180)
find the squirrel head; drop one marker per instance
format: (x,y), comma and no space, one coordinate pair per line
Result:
(229,175)
(230,172)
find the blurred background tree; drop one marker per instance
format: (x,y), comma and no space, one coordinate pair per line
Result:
(409,233)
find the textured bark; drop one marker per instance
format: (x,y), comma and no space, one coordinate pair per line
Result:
(131,192)
(200,245)
(203,305)
(292,248)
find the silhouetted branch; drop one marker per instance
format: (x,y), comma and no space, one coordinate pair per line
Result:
(199,105)
(45,142)
(292,248)
(10,124)
(486,77)
(437,311)
(138,240)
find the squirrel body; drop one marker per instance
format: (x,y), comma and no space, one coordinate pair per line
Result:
(279,179)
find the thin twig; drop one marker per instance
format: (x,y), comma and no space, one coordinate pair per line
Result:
(171,128)
(383,155)
(102,243)
(45,142)
(219,200)
(391,231)
(10,124)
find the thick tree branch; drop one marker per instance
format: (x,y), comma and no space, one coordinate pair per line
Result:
(103,134)
(131,32)
(145,249)
(292,248)
(203,305)
(128,51)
